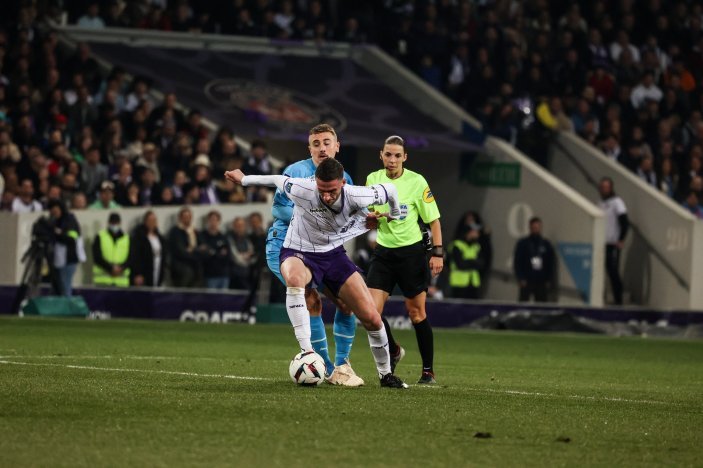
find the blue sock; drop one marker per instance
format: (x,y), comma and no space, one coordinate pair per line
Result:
(344,331)
(318,338)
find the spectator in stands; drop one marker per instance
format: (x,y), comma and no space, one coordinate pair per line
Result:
(148,253)
(111,249)
(148,191)
(693,205)
(217,255)
(186,256)
(25,202)
(668,178)
(258,163)
(106,197)
(696,186)
(149,160)
(203,179)
(616,227)
(91,19)
(646,172)
(166,196)
(646,90)
(68,248)
(93,172)
(121,180)
(79,201)
(534,263)
(243,255)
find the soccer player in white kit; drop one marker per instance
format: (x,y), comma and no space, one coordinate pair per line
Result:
(327,213)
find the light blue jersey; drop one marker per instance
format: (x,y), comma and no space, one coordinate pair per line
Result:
(282,211)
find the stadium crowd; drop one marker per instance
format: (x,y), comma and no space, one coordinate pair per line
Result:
(626,79)
(624,75)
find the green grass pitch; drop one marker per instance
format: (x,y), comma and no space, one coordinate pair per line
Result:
(143,393)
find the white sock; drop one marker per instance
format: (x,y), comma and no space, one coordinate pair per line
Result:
(379,348)
(299,316)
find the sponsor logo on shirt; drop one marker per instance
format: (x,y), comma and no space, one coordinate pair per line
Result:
(403,211)
(348,226)
(427,195)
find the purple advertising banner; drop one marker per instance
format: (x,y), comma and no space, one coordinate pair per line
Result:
(226,307)
(282,96)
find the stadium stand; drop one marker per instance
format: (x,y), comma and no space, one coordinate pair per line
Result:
(626,79)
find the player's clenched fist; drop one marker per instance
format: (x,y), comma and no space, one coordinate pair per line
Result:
(235,176)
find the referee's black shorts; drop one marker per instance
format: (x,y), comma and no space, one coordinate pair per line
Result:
(408,267)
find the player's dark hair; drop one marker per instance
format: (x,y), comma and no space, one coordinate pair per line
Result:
(329,170)
(395,140)
(534,219)
(323,128)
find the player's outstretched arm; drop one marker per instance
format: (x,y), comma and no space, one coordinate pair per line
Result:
(238,177)
(378,194)
(393,203)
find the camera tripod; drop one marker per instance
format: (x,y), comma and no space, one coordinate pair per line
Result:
(31,277)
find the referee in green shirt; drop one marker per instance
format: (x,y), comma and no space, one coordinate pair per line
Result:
(400,257)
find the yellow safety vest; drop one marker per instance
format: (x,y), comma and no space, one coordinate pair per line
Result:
(114,252)
(463,278)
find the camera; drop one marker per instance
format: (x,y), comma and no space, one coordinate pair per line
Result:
(42,231)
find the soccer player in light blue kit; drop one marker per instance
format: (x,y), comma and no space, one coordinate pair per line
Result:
(322,144)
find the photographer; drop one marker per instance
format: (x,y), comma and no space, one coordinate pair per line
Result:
(67,247)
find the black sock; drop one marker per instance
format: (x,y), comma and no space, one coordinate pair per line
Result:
(425,342)
(392,345)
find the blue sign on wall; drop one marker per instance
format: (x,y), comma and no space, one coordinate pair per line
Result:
(577,258)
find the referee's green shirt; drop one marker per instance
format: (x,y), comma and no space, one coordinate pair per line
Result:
(415,199)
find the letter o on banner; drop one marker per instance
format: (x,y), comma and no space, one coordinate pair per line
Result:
(518,217)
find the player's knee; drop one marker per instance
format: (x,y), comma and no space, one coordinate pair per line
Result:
(417,314)
(295,280)
(313,301)
(370,320)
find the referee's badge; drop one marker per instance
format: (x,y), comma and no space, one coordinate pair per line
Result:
(427,196)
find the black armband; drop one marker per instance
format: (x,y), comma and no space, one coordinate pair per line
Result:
(437,251)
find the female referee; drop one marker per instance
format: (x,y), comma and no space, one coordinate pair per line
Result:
(400,257)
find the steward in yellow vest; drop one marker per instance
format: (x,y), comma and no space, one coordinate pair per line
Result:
(465,264)
(111,255)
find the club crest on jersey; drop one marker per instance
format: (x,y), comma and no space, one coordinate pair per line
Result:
(427,196)
(288,187)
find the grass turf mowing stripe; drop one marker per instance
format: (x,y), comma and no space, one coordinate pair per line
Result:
(240,377)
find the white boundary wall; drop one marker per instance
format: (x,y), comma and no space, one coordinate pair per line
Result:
(15,236)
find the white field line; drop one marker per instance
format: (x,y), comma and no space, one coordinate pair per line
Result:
(121,357)
(573,397)
(240,377)
(141,371)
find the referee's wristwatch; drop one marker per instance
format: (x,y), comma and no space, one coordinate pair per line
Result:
(437,251)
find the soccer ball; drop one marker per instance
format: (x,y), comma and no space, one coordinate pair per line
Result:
(307,369)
